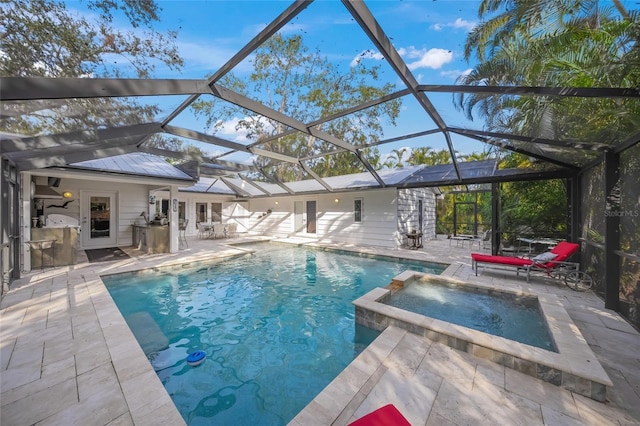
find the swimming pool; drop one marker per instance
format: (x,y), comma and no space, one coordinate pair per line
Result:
(501,314)
(277,326)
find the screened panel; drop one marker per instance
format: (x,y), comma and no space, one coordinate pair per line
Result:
(326,75)
(630,201)
(630,233)
(593,205)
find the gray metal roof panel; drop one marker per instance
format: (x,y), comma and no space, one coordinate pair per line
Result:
(135,163)
(209,186)
(446,172)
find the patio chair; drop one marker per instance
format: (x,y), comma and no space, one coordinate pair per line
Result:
(556,258)
(482,240)
(486,240)
(203,231)
(232,230)
(218,230)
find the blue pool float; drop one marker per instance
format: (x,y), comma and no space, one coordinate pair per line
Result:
(196,358)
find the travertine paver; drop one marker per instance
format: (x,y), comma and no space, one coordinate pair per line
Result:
(68,357)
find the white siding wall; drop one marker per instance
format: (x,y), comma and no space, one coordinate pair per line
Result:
(278,223)
(386,213)
(408,216)
(131,198)
(190,200)
(334,221)
(378,226)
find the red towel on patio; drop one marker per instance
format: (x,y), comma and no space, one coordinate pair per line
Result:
(384,416)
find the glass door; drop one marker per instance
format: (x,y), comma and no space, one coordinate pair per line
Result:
(99,225)
(311,217)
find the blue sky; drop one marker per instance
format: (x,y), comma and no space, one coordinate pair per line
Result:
(429,35)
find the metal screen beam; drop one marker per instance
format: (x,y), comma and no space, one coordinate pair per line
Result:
(239,191)
(203,137)
(376,34)
(405,137)
(509,147)
(36,88)
(255,185)
(171,154)
(370,168)
(258,108)
(275,181)
(78,155)
(543,141)
(315,176)
(77,138)
(631,141)
(274,155)
(273,27)
(232,166)
(581,92)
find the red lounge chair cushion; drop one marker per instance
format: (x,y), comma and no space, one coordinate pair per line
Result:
(384,416)
(502,260)
(564,250)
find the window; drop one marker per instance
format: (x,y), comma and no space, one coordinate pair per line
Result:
(201,212)
(181,211)
(216,212)
(357,210)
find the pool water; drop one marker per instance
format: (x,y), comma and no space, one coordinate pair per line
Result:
(276,326)
(500,314)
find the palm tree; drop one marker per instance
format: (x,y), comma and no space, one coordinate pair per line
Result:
(587,48)
(397,156)
(426,155)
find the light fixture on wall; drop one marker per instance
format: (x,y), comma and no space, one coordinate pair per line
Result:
(337,200)
(67,194)
(276,203)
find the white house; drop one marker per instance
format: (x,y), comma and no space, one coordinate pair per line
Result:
(107,198)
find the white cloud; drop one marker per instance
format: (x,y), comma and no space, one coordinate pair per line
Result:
(463,23)
(454,74)
(457,24)
(229,129)
(203,55)
(432,58)
(366,54)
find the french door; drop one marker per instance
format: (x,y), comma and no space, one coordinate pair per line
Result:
(99,219)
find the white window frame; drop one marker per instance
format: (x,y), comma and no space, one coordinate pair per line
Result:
(355,211)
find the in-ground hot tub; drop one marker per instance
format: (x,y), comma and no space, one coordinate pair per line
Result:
(574,366)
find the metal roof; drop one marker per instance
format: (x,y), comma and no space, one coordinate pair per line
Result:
(135,163)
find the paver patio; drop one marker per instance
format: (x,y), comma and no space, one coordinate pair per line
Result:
(68,357)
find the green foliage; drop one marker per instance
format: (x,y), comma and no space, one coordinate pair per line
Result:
(555,44)
(290,79)
(43,38)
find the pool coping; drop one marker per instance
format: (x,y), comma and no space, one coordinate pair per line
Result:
(574,367)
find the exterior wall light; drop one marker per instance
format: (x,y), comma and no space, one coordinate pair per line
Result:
(276,203)
(67,194)
(337,200)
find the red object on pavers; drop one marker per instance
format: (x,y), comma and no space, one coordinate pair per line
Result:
(501,260)
(384,416)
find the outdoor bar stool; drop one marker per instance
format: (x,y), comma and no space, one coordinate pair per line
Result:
(43,245)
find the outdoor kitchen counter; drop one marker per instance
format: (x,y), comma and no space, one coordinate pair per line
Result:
(65,246)
(151,238)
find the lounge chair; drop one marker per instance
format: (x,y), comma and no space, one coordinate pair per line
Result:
(547,262)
